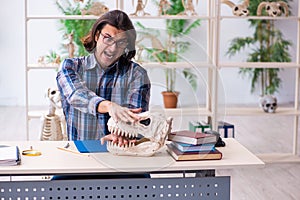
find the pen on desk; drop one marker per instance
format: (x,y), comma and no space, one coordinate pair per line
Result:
(72,151)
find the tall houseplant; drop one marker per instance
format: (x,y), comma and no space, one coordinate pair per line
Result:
(175,29)
(268,45)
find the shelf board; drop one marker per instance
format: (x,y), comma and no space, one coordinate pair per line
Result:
(261,17)
(181,65)
(190,111)
(201,111)
(177,65)
(258,65)
(257,111)
(172,112)
(43,66)
(89,17)
(36,113)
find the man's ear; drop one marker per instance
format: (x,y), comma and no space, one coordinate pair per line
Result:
(97,36)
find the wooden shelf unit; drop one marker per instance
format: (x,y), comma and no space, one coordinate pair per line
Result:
(214,20)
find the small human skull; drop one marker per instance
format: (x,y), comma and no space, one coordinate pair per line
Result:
(268,103)
(53,95)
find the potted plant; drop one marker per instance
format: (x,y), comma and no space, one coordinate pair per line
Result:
(268,45)
(170,51)
(79,27)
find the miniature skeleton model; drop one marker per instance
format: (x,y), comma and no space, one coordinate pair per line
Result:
(53,123)
(140,8)
(153,126)
(273,9)
(70,46)
(238,9)
(96,9)
(268,103)
(188,7)
(155,44)
(164,5)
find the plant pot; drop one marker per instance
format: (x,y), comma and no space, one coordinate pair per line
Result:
(170,99)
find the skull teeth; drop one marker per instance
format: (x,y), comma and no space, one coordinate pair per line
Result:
(117,131)
(110,144)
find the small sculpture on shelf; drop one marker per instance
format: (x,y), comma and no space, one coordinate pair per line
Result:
(164,5)
(70,45)
(50,59)
(41,60)
(238,9)
(155,44)
(189,8)
(273,9)
(140,8)
(268,103)
(97,9)
(53,123)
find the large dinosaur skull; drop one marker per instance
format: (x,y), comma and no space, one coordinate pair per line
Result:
(153,126)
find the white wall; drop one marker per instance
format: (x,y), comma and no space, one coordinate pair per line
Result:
(43,37)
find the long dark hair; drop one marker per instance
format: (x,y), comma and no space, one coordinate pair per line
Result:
(121,21)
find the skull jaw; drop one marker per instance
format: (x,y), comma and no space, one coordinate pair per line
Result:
(270,110)
(145,149)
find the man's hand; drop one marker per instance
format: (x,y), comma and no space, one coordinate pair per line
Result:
(118,112)
(116,139)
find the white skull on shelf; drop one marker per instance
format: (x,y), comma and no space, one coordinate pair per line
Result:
(268,103)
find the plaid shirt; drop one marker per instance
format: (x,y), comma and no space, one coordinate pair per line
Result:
(83,84)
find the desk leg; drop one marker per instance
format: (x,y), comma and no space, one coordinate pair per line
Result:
(206,173)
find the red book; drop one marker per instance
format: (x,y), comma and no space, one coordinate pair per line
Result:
(200,155)
(190,137)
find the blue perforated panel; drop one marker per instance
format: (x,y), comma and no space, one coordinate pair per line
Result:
(112,189)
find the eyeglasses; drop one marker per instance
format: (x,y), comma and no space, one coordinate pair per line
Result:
(110,41)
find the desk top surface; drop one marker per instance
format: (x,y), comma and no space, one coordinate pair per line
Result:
(56,161)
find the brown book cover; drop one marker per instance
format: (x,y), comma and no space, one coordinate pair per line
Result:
(185,156)
(190,137)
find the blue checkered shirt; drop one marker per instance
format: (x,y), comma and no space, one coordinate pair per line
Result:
(83,84)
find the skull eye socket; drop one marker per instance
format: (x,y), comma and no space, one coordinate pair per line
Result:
(268,8)
(236,8)
(53,92)
(271,104)
(146,122)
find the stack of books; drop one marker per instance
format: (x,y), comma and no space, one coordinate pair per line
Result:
(189,145)
(9,155)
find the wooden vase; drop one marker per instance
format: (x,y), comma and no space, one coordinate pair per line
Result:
(170,99)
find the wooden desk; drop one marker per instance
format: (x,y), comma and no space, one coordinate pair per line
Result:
(57,162)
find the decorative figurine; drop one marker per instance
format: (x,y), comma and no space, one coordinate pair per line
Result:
(164,5)
(57,60)
(41,60)
(273,9)
(188,7)
(53,123)
(238,9)
(153,126)
(268,103)
(70,46)
(156,44)
(140,8)
(96,9)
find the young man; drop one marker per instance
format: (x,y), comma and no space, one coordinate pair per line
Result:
(106,83)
